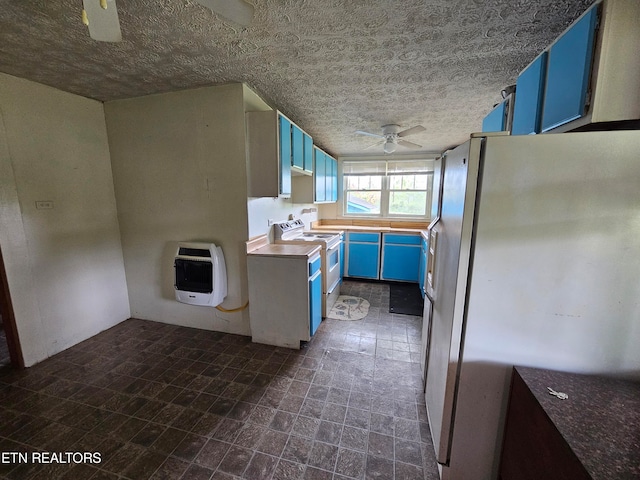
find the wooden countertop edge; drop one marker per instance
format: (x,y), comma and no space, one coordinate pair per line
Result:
(360,228)
(286,250)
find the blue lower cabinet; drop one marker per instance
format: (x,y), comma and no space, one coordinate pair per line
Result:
(315,301)
(401,263)
(363,255)
(364,260)
(401,257)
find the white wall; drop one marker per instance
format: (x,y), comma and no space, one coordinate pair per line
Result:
(179,168)
(64,265)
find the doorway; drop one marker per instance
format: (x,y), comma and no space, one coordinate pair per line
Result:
(10,351)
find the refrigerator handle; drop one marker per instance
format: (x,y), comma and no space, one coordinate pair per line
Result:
(431,262)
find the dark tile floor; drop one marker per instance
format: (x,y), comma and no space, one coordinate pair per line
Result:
(160,401)
(5,359)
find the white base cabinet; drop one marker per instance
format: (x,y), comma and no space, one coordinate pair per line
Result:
(285,298)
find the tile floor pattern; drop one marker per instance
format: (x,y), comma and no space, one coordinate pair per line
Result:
(160,401)
(5,359)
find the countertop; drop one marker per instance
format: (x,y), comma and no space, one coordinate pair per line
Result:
(287,250)
(600,420)
(361,228)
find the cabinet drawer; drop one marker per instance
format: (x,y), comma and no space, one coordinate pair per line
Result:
(364,237)
(401,239)
(314,266)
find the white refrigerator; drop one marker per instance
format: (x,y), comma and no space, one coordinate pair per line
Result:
(534,260)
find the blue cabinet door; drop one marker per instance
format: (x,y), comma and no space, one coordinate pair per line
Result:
(527,112)
(401,257)
(364,260)
(332,181)
(319,175)
(297,147)
(284,132)
(494,121)
(315,302)
(401,263)
(568,72)
(307,149)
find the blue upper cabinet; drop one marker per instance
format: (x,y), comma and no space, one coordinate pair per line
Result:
(332,179)
(495,120)
(529,94)
(284,131)
(325,177)
(319,175)
(568,72)
(307,153)
(297,147)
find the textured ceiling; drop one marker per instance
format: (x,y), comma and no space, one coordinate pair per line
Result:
(332,66)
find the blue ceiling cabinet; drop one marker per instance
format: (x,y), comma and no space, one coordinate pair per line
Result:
(319,175)
(286,144)
(269,152)
(495,120)
(297,147)
(527,111)
(568,72)
(325,177)
(301,150)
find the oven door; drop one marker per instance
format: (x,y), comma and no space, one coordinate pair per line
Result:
(332,275)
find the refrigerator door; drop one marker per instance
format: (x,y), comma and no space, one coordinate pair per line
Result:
(449,263)
(438,166)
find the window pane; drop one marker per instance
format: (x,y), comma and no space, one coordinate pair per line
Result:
(408,203)
(396,182)
(408,182)
(376,182)
(363,203)
(422,182)
(352,182)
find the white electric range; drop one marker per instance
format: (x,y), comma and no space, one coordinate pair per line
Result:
(292,231)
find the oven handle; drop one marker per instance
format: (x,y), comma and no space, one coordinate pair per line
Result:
(333,287)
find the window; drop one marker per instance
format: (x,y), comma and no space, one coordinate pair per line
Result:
(381,188)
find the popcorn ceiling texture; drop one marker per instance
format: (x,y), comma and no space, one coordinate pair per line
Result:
(332,66)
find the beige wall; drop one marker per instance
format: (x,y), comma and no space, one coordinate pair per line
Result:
(64,265)
(178,164)
(179,168)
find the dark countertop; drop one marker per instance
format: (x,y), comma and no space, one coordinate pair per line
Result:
(600,420)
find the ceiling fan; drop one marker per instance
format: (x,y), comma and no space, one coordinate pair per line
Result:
(101,16)
(392,137)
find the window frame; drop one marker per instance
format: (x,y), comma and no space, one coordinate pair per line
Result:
(386,190)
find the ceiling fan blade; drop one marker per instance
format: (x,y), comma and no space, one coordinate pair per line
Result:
(377,144)
(411,131)
(369,134)
(411,145)
(236,11)
(103,23)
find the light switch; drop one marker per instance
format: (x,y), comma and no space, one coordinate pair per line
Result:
(44,205)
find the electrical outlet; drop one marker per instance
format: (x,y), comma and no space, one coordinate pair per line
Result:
(44,205)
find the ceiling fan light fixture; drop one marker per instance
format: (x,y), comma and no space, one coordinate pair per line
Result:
(389,147)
